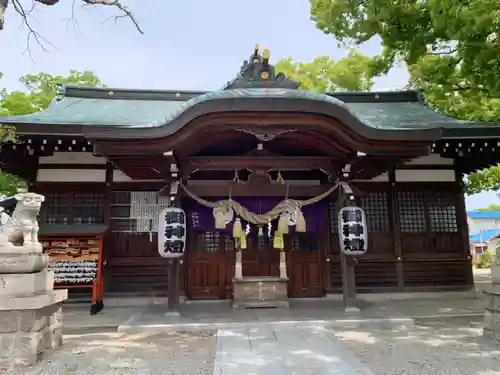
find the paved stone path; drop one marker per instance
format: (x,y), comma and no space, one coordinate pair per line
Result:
(275,350)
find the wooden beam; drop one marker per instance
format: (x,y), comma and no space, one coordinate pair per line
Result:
(204,125)
(312,175)
(261,163)
(250,190)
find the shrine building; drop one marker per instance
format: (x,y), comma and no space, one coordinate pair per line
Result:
(107,160)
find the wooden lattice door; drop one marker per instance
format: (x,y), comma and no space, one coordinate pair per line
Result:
(304,265)
(206,259)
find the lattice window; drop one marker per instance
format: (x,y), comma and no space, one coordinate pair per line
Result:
(412,211)
(228,243)
(333,213)
(73,208)
(136,212)
(88,208)
(376,208)
(123,225)
(56,208)
(442,212)
(304,242)
(208,242)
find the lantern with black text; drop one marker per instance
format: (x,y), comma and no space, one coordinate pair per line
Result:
(171,232)
(352,231)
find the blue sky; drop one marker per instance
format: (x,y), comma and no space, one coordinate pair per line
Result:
(188,44)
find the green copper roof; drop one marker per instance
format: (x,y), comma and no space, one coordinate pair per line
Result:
(115,112)
(142,109)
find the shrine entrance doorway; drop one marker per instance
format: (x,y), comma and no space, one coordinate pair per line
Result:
(210,256)
(260,258)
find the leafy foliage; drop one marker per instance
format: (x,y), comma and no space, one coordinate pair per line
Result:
(452,49)
(491,207)
(323,74)
(485,260)
(40,91)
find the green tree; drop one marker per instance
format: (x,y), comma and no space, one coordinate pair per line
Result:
(40,90)
(452,49)
(323,74)
(491,207)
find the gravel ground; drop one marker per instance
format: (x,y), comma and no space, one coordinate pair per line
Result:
(124,354)
(438,348)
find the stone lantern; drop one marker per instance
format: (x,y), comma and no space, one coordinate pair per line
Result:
(30,308)
(491,329)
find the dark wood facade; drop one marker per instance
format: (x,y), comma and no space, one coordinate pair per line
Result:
(416,234)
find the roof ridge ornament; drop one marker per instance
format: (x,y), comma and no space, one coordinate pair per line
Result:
(257,72)
(61,92)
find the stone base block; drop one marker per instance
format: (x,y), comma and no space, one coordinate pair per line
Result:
(491,330)
(27,348)
(26,284)
(32,329)
(492,301)
(255,292)
(495,274)
(23,263)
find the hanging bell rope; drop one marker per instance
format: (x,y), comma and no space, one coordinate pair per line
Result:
(287,205)
(300,223)
(278,241)
(239,235)
(279,178)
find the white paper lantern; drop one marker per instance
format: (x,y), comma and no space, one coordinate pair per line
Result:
(353,234)
(171,232)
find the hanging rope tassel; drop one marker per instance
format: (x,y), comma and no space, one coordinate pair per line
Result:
(220,221)
(238,229)
(300,225)
(283,224)
(243,242)
(278,242)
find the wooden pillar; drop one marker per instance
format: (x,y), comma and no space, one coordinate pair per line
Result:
(462,224)
(108,201)
(173,287)
(108,193)
(347,264)
(396,228)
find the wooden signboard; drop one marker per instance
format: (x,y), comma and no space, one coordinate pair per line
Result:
(77,263)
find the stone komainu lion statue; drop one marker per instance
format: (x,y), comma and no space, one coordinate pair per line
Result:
(21,229)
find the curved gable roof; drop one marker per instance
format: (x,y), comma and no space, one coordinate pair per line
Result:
(122,112)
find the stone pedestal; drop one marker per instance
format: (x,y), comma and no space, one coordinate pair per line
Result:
(491,329)
(253,292)
(30,310)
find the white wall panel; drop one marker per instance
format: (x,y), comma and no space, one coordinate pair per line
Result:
(71,158)
(71,175)
(423,175)
(433,159)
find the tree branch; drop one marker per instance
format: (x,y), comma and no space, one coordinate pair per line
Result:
(126,13)
(116,3)
(3,8)
(18,7)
